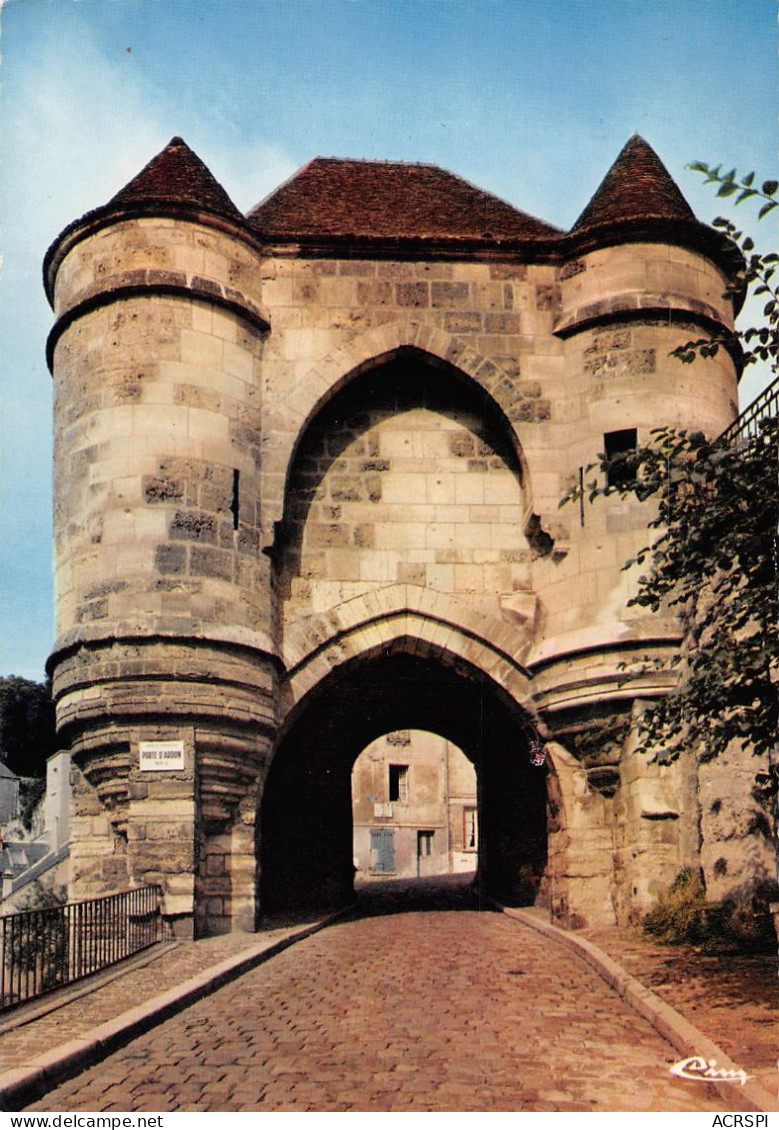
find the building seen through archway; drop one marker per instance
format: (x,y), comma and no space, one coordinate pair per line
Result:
(414,807)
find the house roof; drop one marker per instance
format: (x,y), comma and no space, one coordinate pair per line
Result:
(637,187)
(17,856)
(176,176)
(333,196)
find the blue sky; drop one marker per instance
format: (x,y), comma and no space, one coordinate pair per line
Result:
(530,100)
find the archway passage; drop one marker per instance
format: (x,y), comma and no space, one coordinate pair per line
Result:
(305,848)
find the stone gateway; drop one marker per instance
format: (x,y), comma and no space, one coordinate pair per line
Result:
(308,468)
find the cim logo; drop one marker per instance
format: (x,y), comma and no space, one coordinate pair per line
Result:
(702,1070)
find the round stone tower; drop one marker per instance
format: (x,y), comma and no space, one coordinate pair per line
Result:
(639,276)
(163,600)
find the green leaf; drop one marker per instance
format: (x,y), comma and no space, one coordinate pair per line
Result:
(727,189)
(766,209)
(748,179)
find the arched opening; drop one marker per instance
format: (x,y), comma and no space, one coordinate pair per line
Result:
(409,474)
(306,828)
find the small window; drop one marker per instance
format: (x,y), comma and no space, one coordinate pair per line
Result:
(398,783)
(470,829)
(235,504)
(617,446)
(425,844)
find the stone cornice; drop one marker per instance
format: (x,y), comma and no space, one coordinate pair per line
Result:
(671,309)
(554,250)
(111,214)
(250,643)
(196,289)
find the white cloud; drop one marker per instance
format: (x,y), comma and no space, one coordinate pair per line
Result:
(79,130)
(83,125)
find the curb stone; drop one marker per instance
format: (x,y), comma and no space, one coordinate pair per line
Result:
(670,1024)
(77,990)
(23,1085)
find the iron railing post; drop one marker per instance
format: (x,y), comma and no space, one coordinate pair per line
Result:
(43,949)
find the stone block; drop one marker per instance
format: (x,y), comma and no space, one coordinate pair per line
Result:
(395,270)
(412,573)
(469,489)
(209,562)
(356,267)
(451,295)
(196,397)
(440,535)
(328,534)
(194,525)
(414,294)
(441,577)
(158,489)
(364,535)
(501,323)
(508,271)
(347,488)
(376,292)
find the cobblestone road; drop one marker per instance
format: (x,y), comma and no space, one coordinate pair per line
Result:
(420,1009)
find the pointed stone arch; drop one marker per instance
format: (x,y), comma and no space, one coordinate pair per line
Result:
(406,618)
(475,698)
(365,351)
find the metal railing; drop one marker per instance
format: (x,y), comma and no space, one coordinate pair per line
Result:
(749,425)
(41,950)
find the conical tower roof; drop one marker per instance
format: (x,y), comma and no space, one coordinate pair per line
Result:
(176,176)
(637,187)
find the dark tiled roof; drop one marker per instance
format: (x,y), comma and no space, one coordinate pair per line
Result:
(637,187)
(177,176)
(388,200)
(341,200)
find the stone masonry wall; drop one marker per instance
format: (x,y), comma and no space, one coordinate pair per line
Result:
(568,355)
(244,441)
(400,481)
(157,446)
(329,318)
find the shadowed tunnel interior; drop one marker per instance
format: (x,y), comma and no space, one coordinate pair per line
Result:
(306,821)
